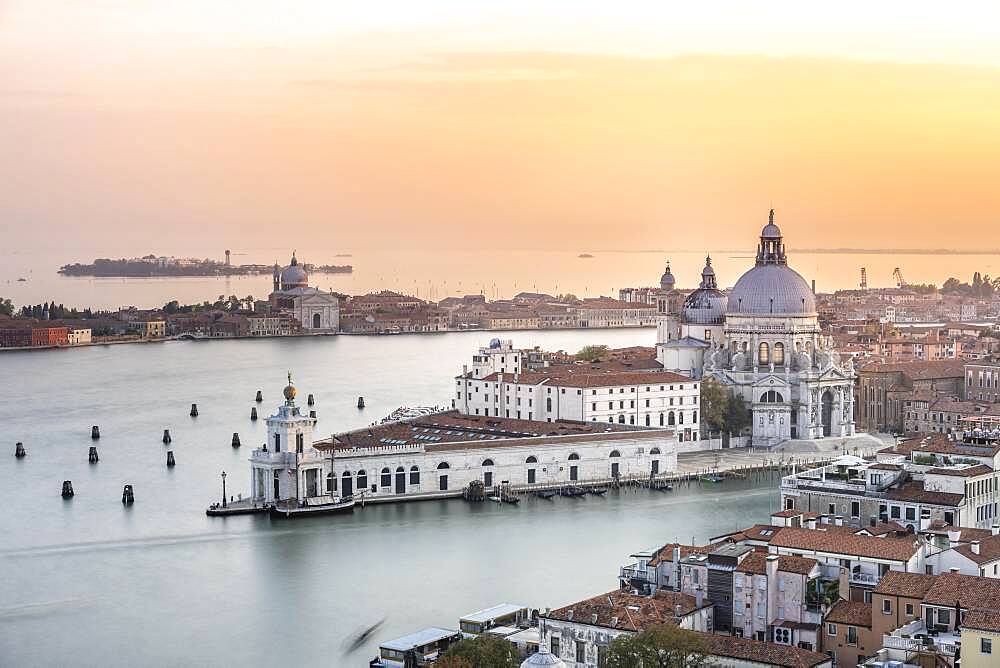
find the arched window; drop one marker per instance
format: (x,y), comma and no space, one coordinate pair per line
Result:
(661,419)
(779,353)
(736,347)
(763,353)
(532,460)
(414,475)
(385,479)
(573,457)
(399,469)
(621,419)
(362,479)
(670,419)
(772,397)
(615,453)
(316,321)
(443,465)
(654,451)
(487,462)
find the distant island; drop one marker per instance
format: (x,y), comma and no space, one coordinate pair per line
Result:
(151,266)
(585,255)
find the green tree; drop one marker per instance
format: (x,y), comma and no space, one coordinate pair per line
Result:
(6,307)
(663,646)
(484,651)
(714,405)
(737,415)
(592,353)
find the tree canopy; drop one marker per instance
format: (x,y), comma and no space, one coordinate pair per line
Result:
(721,410)
(592,353)
(662,646)
(484,651)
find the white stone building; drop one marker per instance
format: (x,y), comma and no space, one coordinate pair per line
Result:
(77,337)
(578,392)
(315,310)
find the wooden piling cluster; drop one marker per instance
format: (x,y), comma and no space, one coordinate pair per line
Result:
(92,455)
(19,450)
(260,397)
(95,432)
(194,410)
(236,439)
(166,437)
(253,414)
(128,497)
(170,459)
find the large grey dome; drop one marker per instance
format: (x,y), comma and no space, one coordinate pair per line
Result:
(772,289)
(543,658)
(294,276)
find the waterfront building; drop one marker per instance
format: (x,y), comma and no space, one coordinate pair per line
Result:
(269,325)
(604,312)
(287,467)
(78,336)
(149,329)
(439,455)
(599,392)
(416,649)
(914,484)
(315,310)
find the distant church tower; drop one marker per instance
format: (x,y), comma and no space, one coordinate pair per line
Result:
(668,308)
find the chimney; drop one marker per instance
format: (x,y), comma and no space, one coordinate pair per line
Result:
(676,565)
(699,596)
(953,537)
(772,569)
(953,569)
(839,520)
(975,546)
(465,370)
(811,523)
(678,611)
(844,588)
(995,529)
(569,615)
(593,618)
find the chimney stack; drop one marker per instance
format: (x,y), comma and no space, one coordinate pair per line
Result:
(678,611)
(953,569)
(975,546)
(771,568)
(839,520)
(811,523)
(995,529)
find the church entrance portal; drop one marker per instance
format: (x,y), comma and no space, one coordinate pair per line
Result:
(827,402)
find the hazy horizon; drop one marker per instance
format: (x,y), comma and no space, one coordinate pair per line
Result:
(442,126)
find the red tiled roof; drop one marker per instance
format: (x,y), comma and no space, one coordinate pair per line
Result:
(756,564)
(841,542)
(982,620)
(852,613)
(965,591)
(783,656)
(914,492)
(989,550)
(898,583)
(628,612)
(966,472)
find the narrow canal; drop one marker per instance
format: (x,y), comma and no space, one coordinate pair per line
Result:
(90,582)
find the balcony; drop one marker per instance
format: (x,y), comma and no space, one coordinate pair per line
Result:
(914,637)
(635,576)
(864,578)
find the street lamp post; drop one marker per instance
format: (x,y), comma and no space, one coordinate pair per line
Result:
(223,489)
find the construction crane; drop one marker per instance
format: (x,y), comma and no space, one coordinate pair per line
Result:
(864,279)
(898,275)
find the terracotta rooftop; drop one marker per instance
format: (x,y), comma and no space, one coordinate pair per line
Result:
(989,550)
(841,542)
(938,443)
(628,612)
(914,492)
(911,585)
(585,375)
(755,563)
(852,613)
(966,591)
(666,553)
(452,430)
(920,369)
(966,472)
(982,620)
(770,654)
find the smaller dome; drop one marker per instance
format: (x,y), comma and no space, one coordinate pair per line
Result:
(667,281)
(543,658)
(770,231)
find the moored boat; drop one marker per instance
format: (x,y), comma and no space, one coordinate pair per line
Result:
(321,505)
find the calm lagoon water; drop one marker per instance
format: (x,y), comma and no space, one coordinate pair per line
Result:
(88,582)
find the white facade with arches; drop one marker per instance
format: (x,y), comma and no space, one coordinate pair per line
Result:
(402,460)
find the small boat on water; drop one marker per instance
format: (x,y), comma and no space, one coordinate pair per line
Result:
(360,639)
(573,491)
(513,500)
(598,491)
(321,505)
(711,477)
(662,487)
(547,494)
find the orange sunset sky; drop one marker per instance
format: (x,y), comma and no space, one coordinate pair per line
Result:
(183,125)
